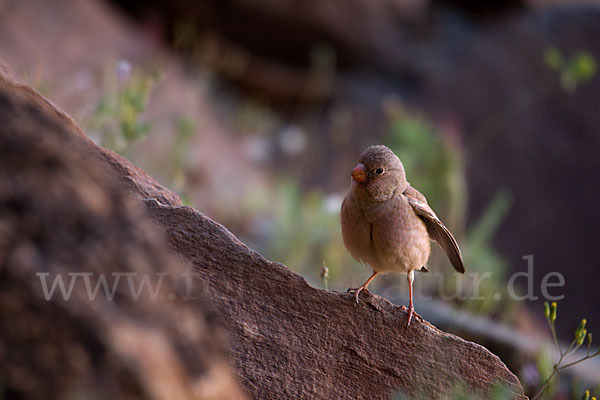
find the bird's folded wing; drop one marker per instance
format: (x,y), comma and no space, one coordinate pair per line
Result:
(436,229)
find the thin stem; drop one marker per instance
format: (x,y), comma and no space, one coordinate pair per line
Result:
(589,348)
(556,366)
(539,393)
(554,336)
(570,348)
(554,372)
(580,360)
(576,348)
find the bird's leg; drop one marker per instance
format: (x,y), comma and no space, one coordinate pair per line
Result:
(362,287)
(410,277)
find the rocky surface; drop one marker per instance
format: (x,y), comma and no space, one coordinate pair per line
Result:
(61,212)
(64,212)
(290,340)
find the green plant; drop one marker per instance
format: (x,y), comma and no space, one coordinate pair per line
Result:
(431,160)
(461,392)
(581,336)
(117,121)
(481,257)
(175,168)
(586,396)
(303,230)
(573,71)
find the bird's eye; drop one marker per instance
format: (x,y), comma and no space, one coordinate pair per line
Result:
(379,171)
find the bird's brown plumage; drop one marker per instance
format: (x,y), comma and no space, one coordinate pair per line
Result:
(386,223)
(435,228)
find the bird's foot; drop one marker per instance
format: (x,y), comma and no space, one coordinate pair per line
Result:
(357,291)
(411,314)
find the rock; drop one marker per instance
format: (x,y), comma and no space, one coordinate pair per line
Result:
(63,214)
(290,340)
(60,212)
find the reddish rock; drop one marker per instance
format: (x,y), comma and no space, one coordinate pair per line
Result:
(290,340)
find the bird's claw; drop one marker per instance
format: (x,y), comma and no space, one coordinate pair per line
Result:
(357,291)
(410,314)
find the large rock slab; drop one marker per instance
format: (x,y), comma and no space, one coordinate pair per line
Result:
(291,340)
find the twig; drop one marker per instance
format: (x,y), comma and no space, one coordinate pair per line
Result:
(580,336)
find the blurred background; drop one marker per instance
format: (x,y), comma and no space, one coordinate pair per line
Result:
(255,112)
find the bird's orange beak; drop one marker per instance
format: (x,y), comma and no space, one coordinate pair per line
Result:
(359,173)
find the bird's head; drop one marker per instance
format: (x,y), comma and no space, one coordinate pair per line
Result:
(379,173)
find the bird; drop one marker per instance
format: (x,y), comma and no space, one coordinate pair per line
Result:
(388,225)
